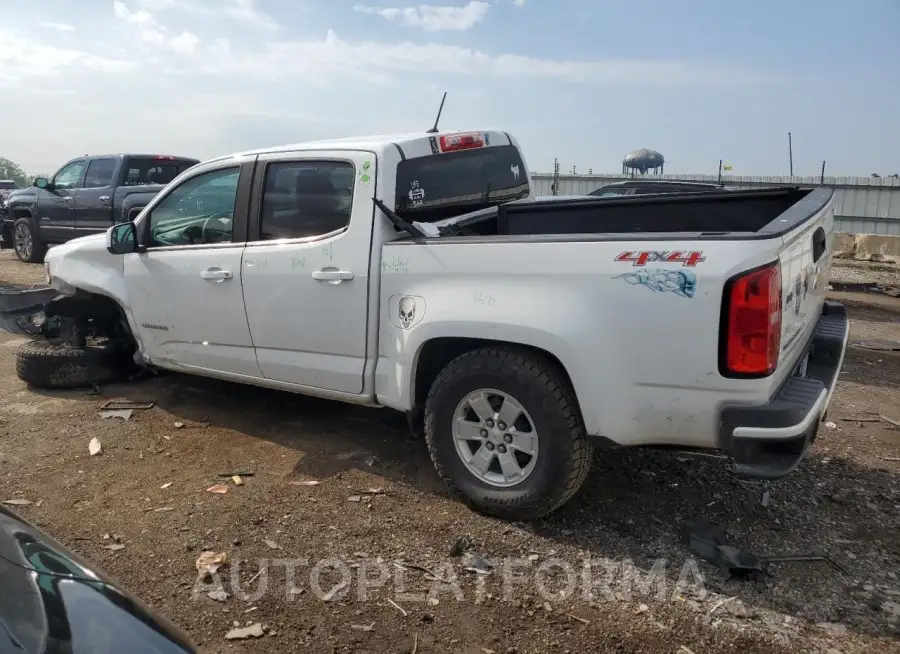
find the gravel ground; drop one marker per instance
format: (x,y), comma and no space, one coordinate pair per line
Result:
(378,504)
(862,273)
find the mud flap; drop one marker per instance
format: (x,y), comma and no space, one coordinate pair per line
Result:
(22,308)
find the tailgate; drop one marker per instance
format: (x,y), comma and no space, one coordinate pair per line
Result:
(805,258)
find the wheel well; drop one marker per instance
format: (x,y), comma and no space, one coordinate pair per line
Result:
(133,213)
(91,314)
(19,213)
(438,352)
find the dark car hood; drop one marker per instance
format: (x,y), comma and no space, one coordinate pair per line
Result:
(54,601)
(21,542)
(14,192)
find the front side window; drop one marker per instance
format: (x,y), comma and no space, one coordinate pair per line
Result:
(100,173)
(200,210)
(69,176)
(304,199)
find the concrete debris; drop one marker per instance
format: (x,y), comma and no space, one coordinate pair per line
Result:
(242,633)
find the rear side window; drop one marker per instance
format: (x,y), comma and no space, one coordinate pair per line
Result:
(148,170)
(100,173)
(303,199)
(444,185)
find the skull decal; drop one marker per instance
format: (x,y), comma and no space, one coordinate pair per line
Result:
(407,309)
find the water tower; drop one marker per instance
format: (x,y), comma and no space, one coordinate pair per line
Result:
(643,160)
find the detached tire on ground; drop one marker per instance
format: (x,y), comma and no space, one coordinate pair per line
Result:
(504,431)
(45,364)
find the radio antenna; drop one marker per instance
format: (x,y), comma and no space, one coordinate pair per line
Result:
(434,129)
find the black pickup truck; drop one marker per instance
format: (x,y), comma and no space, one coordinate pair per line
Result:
(86,196)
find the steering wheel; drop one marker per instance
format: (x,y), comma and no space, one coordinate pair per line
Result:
(223,217)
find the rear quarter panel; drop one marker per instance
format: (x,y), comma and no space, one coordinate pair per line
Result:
(638,337)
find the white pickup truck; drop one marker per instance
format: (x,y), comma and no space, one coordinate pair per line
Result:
(417,272)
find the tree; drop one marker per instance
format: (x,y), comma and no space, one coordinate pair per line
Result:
(11,170)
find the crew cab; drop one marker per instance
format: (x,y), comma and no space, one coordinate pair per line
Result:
(416,272)
(86,196)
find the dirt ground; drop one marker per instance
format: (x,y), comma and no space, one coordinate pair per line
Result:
(378,504)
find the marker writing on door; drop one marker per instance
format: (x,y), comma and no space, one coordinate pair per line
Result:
(395,265)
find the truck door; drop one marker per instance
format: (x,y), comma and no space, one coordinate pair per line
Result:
(305,271)
(55,204)
(93,201)
(185,289)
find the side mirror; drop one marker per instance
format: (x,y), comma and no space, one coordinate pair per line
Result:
(121,238)
(41,182)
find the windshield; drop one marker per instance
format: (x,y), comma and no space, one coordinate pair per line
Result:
(441,186)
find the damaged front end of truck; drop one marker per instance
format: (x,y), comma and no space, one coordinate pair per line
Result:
(76,340)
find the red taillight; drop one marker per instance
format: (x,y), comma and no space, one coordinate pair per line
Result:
(753,330)
(453,142)
(164,157)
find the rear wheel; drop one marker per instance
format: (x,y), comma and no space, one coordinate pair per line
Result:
(52,365)
(504,432)
(27,243)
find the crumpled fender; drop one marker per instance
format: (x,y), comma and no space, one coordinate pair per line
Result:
(85,264)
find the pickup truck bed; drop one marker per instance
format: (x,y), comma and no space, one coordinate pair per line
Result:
(638,297)
(723,214)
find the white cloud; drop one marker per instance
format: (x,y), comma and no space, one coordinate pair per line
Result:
(246,11)
(519,3)
(332,58)
(242,11)
(151,32)
(432,18)
(59,27)
(22,57)
(291,88)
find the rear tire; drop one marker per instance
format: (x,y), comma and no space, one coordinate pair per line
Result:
(544,400)
(26,242)
(45,364)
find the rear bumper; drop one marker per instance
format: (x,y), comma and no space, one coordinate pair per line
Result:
(769,440)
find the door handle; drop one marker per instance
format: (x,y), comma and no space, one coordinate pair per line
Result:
(820,244)
(67,198)
(332,275)
(103,198)
(216,275)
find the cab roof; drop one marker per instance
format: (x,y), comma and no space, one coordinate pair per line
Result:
(377,143)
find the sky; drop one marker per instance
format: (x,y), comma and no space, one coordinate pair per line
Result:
(585,81)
